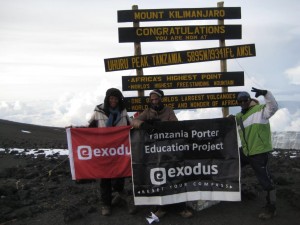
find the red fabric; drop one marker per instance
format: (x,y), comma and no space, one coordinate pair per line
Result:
(135,115)
(99,152)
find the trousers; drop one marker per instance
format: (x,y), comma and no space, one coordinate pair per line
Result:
(259,163)
(108,185)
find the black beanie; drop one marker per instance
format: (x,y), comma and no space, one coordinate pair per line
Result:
(243,95)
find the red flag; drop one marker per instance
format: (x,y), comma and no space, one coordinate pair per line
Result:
(99,152)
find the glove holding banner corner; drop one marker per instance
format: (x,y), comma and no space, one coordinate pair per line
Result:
(259,92)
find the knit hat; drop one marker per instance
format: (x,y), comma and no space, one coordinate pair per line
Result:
(243,95)
(158,92)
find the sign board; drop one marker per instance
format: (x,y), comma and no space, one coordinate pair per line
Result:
(146,15)
(189,101)
(179,57)
(177,81)
(179,33)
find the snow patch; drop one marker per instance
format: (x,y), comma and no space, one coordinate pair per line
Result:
(26,131)
(286,140)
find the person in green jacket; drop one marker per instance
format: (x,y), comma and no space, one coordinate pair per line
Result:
(255,135)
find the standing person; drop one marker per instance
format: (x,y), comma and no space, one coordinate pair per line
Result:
(110,114)
(158,112)
(255,134)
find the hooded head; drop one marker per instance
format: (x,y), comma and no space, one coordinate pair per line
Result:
(115,93)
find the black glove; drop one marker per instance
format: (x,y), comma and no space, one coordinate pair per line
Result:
(147,127)
(259,92)
(152,121)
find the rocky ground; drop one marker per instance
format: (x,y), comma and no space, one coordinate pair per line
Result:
(38,190)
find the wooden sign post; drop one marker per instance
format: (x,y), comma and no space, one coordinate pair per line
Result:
(138,52)
(221,32)
(223,63)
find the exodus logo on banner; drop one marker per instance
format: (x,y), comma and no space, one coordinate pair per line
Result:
(158,176)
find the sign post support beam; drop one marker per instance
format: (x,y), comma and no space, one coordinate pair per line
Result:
(138,52)
(223,63)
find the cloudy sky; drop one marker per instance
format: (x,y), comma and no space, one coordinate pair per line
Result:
(52,56)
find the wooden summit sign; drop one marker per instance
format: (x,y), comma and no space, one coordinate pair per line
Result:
(188,80)
(192,101)
(146,15)
(179,33)
(179,57)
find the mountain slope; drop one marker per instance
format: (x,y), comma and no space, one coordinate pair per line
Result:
(21,135)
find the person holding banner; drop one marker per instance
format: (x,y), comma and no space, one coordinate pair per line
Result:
(110,114)
(158,112)
(255,135)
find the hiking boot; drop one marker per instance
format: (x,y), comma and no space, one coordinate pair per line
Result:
(118,199)
(160,213)
(186,213)
(132,209)
(267,213)
(105,210)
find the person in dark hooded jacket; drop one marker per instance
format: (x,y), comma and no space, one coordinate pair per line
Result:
(111,113)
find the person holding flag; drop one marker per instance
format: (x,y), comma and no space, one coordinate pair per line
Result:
(111,113)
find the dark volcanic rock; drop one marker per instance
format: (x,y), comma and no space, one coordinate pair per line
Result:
(39,190)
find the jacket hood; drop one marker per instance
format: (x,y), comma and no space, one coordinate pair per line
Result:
(99,108)
(253,102)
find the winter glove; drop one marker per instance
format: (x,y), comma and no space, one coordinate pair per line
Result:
(152,121)
(259,92)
